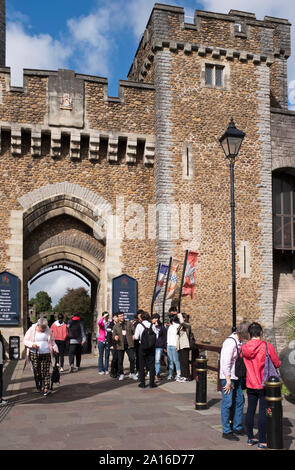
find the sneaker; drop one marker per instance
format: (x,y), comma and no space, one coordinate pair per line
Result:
(101,373)
(71,369)
(153,385)
(106,372)
(3,402)
(46,393)
(61,370)
(170,377)
(178,378)
(133,376)
(183,379)
(121,377)
(142,385)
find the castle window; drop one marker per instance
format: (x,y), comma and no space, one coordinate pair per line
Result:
(187,162)
(284,211)
(214,75)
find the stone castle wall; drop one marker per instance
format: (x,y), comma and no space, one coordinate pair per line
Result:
(156,144)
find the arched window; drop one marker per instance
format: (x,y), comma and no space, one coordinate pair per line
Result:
(284,211)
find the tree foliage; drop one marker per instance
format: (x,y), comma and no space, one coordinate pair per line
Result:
(76,301)
(42,302)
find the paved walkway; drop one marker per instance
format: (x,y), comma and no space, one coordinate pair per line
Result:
(88,411)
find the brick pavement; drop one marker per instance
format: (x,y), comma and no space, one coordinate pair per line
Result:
(88,411)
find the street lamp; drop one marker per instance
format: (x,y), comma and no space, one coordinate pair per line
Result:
(231,142)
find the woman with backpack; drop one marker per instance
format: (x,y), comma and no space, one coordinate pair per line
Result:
(77,337)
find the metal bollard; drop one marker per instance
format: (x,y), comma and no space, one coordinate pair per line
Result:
(274,413)
(201,383)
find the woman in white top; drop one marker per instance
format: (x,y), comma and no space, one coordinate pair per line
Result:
(41,345)
(172,353)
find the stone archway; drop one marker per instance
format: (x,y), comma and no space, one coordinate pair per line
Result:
(64,223)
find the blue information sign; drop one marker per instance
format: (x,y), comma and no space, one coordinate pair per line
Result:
(124,295)
(9,299)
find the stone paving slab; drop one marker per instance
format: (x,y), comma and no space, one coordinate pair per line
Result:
(88,411)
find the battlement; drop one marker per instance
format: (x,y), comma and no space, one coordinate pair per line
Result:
(61,113)
(236,31)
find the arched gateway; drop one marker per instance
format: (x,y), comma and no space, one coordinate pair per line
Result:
(84,176)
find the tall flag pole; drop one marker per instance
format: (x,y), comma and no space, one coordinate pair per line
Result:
(166,287)
(155,287)
(182,279)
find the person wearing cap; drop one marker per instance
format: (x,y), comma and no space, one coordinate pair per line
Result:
(77,336)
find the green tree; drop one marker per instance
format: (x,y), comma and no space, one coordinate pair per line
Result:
(76,301)
(42,301)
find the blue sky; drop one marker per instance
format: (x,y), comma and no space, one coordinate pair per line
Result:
(100,37)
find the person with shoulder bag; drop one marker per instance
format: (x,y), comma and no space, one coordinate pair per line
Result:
(77,337)
(257,354)
(183,346)
(232,393)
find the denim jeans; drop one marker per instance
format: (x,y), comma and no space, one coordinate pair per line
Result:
(173,359)
(158,355)
(236,398)
(103,353)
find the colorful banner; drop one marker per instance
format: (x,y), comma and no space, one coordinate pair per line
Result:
(190,274)
(172,281)
(160,281)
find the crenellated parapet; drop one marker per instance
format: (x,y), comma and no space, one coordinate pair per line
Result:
(63,113)
(236,35)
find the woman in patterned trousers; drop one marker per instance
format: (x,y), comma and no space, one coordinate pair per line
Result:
(41,346)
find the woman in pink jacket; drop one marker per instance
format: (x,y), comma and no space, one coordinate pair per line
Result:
(41,346)
(103,345)
(254,354)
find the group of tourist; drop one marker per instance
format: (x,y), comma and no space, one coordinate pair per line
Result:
(246,344)
(146,342)
(121,336)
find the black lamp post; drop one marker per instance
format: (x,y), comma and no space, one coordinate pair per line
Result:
(231,142)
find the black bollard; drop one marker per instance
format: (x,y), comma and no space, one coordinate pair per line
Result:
(274,413)
(201,383)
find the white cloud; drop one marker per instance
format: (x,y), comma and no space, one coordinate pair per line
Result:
(55,284)
(36,51)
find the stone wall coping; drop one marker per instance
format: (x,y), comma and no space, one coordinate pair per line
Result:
(286,112)
(86,78)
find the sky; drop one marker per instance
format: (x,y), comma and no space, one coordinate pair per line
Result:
(100,37)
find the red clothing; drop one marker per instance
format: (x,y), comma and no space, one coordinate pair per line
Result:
(59,330)
(254,353)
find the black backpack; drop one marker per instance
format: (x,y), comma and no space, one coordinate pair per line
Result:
(148,338)
(74,330)
(240,368)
